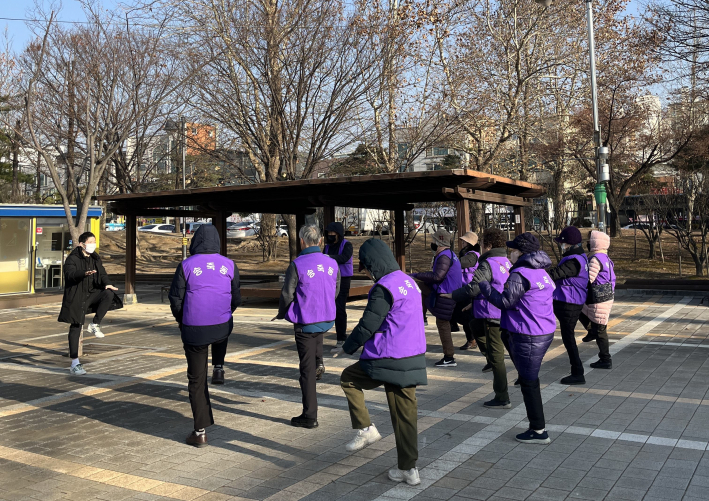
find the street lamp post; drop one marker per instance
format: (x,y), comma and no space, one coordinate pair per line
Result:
(183,148)
(601,152)
(172,127)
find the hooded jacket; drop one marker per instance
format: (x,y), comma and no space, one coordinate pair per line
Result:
(334,249)
(205,242)
(482,274)
(568,269)
(440,307)
(403,372)
(516,286)
(78,286)
(527,350)
(598,313)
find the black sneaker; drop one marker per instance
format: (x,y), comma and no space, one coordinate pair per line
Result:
(319,372)
(487,368)
(572,380)
(469,345)
(602,364)
(516,383)
(446,362)
(532,437)
(455,327)
(303,422)
(589,337)
(497,404)
(425,321)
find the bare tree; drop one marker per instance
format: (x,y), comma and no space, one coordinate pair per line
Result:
(85,93)
(278,92)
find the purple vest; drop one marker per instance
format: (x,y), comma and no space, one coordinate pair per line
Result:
(454,277)
(534,313)
(573,290)
(346,270)
(607,273)
(402,333)
(469,273)
(482,308)
(207,289)
(314,299)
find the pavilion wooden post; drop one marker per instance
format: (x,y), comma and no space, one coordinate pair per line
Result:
(328,215)
(519,220)
(399,241)
(130,296)
(219,221)
(462,214)
(299,223)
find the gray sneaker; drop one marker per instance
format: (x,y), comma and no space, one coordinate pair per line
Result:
(338,347)
(77,370)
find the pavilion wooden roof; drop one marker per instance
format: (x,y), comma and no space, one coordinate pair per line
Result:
(378,191)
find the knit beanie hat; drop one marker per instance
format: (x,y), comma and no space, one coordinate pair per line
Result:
(525,243)
(569,235)
(442,238)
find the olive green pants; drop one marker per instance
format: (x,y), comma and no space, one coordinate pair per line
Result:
(402,408)
(495,354)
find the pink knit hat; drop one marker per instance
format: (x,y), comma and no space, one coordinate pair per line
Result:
(599,241)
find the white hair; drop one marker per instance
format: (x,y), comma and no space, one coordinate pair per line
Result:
(310,235)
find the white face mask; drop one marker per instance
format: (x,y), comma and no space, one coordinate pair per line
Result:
(564,248)
(90,248)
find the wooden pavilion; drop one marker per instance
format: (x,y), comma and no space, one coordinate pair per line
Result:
(397,192)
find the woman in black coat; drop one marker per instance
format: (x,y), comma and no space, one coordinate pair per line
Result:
(86,290)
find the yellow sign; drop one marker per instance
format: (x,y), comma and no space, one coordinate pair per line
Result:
(185,241)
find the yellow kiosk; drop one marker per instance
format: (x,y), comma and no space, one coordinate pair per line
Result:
(34,241)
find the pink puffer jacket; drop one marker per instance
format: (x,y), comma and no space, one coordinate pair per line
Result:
(598,313)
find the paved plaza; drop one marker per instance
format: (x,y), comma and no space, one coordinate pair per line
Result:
(636,432)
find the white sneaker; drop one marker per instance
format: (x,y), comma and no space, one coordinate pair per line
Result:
(95,329)
(411,476)
(338,347)
(363,439)
(77,370)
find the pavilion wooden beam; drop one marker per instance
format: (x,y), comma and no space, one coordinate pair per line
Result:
(125,211)
(399,240)
(462,214)
(131,233)
(483,196)
(328,215)
(219,222)
(299,223)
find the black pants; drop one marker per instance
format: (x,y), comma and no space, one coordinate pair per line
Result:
(599,331)
(309,347)
(532,395)
(99,301)
(197,387)
(341,305)
(568,316)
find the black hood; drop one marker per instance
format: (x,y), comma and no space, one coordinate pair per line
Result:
(376,256)
(205,240)
(337,228)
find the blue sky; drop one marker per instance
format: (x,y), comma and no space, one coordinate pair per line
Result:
(71,11)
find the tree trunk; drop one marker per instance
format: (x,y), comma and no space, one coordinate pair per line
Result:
(268,236)
(38,187)
(698,264)
(16,164)
(292,235)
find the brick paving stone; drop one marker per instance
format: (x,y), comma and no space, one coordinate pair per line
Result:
(638,442)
